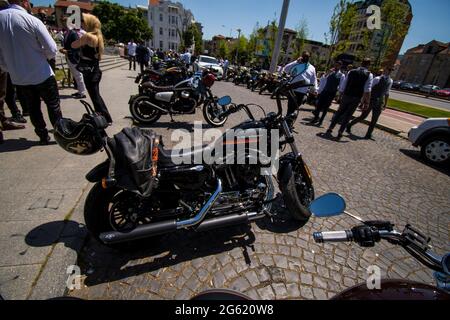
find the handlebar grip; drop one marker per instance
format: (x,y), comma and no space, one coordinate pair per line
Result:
(333,236)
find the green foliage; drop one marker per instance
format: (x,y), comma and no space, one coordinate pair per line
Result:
(190,37)
(224,49)
(122,24)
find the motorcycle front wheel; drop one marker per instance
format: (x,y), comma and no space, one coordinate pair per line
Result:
(211,110)
(297,195)
(142,112)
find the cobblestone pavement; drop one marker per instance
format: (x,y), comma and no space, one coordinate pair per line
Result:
(381,179)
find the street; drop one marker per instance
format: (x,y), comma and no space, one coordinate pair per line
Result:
(418,99)
(381,179)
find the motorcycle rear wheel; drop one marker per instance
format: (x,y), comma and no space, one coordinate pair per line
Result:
(143,113)
(102,213)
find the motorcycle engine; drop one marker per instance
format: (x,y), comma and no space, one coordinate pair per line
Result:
(186,103)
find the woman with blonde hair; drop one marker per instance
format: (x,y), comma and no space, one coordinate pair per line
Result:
(91,49)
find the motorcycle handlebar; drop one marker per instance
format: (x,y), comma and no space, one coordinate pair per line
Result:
(333,236)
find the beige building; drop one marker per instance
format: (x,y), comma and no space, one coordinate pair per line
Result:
(375,43)
(427,64)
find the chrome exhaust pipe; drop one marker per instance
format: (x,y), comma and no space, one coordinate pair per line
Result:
(149,104)
(202,213)
(158,228)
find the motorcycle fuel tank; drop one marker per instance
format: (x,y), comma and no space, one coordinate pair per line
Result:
(164,96)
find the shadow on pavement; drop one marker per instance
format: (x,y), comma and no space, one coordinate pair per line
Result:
(11,145)
(281,221)
(54,232)
(101,264)
(415,155)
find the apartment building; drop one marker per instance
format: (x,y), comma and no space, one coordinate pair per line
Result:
(168,21)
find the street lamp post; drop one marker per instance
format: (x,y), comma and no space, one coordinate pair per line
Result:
(276,50)
(237,47)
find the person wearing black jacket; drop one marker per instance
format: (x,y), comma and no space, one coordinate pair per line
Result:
(356,89)
(328,89)
(142,56)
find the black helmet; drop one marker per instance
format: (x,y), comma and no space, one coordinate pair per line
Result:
(80,138)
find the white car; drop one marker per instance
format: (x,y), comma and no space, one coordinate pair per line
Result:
(209,62)
(433,138)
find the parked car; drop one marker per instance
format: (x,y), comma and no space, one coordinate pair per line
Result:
(433,138)
(443,92)
(429,89)
(209,62)
(397,84)
(406,86)
(415,86)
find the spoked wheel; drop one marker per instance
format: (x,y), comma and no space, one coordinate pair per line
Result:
(111,209)
(143,112)
(211,112)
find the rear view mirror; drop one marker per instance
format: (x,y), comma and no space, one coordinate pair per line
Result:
(328,205)
(224,101)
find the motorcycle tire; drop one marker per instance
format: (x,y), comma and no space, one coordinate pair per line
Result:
(97,215)
(207,110)
(296,201)
(137,111)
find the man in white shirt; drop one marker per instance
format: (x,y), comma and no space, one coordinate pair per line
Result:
(132,53)
(329,85)
(26,47)
(301,70)
(356,89)
(379,97)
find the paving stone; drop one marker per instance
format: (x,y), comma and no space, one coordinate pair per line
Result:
(306,278)
(280,290)
(266,293)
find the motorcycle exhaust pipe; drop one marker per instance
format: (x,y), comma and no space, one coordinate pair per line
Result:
(229,220)
(148,103)
(158,228)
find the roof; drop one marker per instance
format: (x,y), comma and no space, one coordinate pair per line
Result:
(88,6)
(48,11)
(420,48)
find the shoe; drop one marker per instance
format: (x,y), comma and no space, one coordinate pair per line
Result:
(329,132)
(368,137)
(348,130)
(78,96)
(1,138)
(44,141)
(18,119)
(339,137)
(8,125)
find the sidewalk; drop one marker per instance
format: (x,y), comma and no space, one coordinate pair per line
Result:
(393,121)
(41,195)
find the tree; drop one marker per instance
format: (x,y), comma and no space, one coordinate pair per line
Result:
(394,28)
(122,24)
(224,49)
(301,37)
(341,24)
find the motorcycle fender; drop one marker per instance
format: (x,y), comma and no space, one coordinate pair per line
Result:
(98,173)
(132,98)
(289,163)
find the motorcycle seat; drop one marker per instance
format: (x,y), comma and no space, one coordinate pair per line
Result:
(153,87)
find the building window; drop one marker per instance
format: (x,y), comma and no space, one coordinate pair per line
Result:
(160,45)
(161,32)
(151,15)
(161,17)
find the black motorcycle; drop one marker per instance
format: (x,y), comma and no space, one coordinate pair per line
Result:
(143,189)
(153,101)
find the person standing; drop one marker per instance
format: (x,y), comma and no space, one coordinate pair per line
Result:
(356,89)
(132,53)
(91,47)
(187,59)
(328,89)
(10,100)
(72,58)
(226,64)
(301,70)
(25,38)
(142,56)
(378,101)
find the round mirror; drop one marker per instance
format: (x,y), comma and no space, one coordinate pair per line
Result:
(224,101)
(328,205)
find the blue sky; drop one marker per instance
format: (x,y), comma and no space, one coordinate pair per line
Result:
(431,17)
